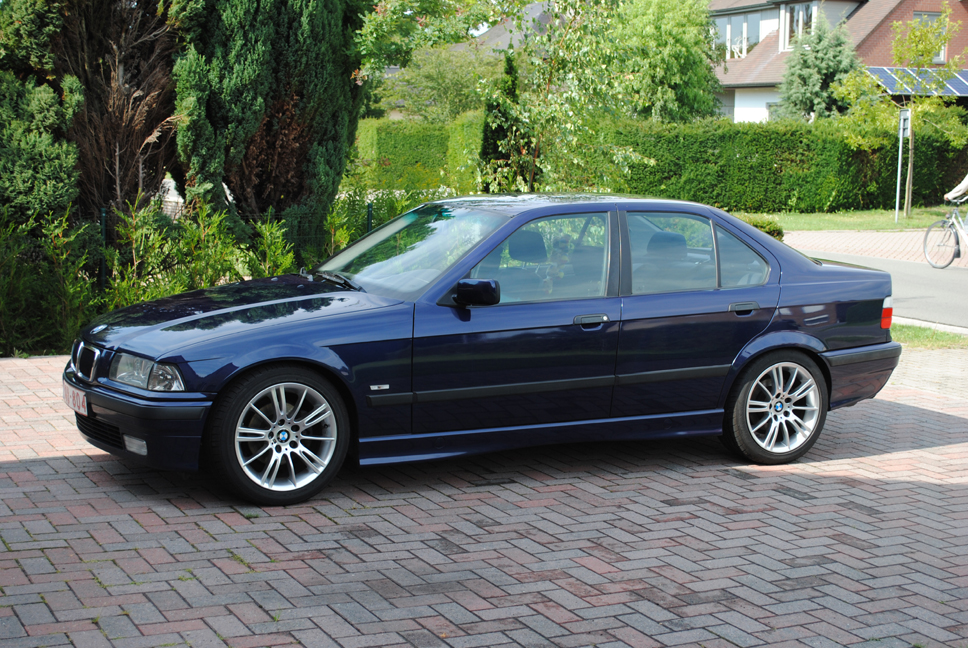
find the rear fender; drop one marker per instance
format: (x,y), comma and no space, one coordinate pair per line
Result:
(774,341)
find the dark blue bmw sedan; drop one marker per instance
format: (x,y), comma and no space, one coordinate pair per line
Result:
(486,323)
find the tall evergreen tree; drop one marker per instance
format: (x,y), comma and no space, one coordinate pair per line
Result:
(819,59)
(268,103)
(508,156)
(38,172)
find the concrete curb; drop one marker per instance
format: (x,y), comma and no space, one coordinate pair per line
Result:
(931,325)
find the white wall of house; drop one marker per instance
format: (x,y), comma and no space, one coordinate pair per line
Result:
(751,104)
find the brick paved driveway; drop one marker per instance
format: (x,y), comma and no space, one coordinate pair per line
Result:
(864,542)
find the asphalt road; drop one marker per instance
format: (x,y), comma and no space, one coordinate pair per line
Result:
(920,291)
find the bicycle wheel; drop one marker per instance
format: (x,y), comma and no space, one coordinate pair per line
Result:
(940,244)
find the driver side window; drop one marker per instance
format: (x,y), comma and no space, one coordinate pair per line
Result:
(559,257)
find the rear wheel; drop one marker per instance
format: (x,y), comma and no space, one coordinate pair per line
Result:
(778,408)
(940,243)
(279,435)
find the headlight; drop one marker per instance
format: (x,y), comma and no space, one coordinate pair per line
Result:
(138,372)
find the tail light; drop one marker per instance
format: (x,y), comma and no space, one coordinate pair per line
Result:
(887,313)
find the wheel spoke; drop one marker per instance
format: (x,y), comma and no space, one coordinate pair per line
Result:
(793,380)
(314,463)
(279,400)
(264,450)
(802,391)
(763,422)
(260,413)
(758,406)
(318,415)
(318,438)
(771,437)
(777,380)
(275,461)
(798,425)
(302,399)
(251,434)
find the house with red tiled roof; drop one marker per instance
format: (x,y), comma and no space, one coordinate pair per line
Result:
(759,37)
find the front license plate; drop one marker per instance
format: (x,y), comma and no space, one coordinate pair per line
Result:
(75,399)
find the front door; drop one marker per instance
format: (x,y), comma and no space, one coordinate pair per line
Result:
(545,354)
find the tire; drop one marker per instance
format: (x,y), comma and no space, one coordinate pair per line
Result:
(777,409)
(261,443)
(940,244)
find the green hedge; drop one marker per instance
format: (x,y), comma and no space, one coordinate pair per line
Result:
(779,166)
(402,154)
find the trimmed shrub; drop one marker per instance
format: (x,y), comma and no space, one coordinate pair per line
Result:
(402,154)
(778,166)
(766,224)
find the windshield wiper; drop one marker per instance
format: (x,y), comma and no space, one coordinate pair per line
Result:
(339,280)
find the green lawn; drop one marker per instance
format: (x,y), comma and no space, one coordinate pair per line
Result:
(874,219)
(919,337)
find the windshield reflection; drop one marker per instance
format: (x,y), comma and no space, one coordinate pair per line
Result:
(410,252)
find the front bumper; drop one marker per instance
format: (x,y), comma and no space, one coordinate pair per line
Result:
(856,374)
(171,427)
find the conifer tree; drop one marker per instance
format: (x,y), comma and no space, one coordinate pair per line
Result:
(268,103)
(820,59)
(38,172)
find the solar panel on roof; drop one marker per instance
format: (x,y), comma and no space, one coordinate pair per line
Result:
(958,86)
(901,81)
(885,78)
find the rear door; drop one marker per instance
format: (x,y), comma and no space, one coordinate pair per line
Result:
(694,295)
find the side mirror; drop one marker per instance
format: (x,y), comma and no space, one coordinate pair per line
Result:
(477,292)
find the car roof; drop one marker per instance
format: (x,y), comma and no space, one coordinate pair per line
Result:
(512,204)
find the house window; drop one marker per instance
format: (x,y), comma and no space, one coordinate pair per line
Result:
(738,33)
(930,18)
(797,20)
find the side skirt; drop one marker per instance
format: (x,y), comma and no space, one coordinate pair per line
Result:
(394,449)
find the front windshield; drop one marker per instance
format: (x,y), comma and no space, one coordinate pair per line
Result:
(410,252)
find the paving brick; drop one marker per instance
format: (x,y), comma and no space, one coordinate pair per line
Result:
(641,544)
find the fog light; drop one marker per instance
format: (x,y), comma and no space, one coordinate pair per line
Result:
(135,445)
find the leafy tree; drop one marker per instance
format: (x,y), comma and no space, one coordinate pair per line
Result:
(669,56)
(819,60)
(268,103)
(440,83)
(873,112)
(37,164)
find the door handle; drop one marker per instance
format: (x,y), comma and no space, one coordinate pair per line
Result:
(591,321)
(743,308)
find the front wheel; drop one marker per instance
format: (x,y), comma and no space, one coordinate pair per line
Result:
(940,244)
(279,435)
(777,410)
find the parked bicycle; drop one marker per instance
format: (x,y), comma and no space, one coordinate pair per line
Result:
(942,241)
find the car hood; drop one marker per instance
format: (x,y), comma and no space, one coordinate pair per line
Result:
(159,327)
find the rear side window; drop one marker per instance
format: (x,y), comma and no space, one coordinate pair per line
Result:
(739,265)
(671,253)
(674,252)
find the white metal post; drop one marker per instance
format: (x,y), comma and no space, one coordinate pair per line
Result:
(903,129)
